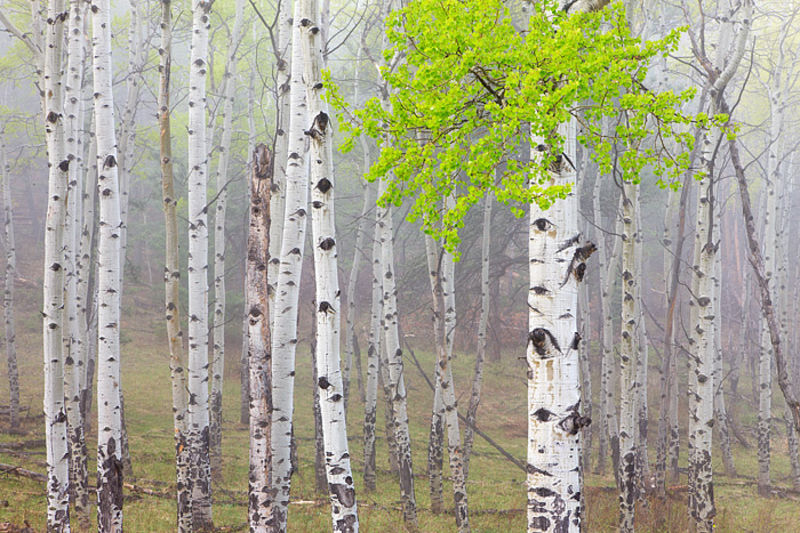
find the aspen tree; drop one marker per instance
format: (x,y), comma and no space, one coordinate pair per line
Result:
(260,501)
(109,281)
(8,291)
(221,182)
(197,375)
(53,285)
(284,340)
(344,512)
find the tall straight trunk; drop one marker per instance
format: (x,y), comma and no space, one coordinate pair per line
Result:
(373,364)
(172,276)
(701,360)
(320,476)
(73,336)
(284,343)
(556,265)
(642,463)
(87,279)
(283,86)
(627,419)
(436,432)
(197,376)
(244,372)
(441,269)
(8,292)
(53,286)
(480,356)
(394,364)
(109,281)
(260,500)
(344,513)
(221,182)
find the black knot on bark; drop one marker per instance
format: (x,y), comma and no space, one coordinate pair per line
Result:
(255,312)
(324,185)
(542,340)
(304,22)
(542,414)
(52,117)
(576,341)
(316,204)
(327,244)
(64,165)
(542,224)
(323,383)
(325,307)
(574,422)
(110,161)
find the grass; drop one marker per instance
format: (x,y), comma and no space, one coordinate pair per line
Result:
(496,487)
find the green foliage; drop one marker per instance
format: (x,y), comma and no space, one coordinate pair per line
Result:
(471,89)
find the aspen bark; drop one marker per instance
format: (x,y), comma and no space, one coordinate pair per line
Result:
(373,364)
(344,512)
(701,360)
(197,375)
(556,264)
(109,281)
(436,432)
(8,292)
(53,285)
(172,276)
(221,182)
(260,501)
(284,342)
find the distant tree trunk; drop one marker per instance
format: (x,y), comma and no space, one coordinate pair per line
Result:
(284,344)
(373,365)
(320,476)
(8,293)
(642,463)
(172,276)
(342,493)
(480,356)
(87,281)
(628,355)
(218,360)
(53,285)
(701,360)
(260,500)
(109,423)
(436,432)
(197,376)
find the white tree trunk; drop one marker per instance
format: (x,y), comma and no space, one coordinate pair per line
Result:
(109,423)
(221,182)
(373,363)
(331,388)
(628,355)
(8,292)
(284,342)
(701,360)
(260,502)
(53,286)
(73,336)
(198,412)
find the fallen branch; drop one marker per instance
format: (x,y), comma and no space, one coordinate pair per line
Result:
(22,472)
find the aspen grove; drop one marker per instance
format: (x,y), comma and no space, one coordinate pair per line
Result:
(399,265)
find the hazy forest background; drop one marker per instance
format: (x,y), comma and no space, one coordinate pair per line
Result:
(674,239)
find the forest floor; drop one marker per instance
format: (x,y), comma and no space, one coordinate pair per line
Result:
(496,486)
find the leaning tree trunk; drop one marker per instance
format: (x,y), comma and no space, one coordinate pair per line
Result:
(628,355)
(218,359)
(172,276)
(197,376)
(53,285)
(109,281)
(556,265)
(480,356)
(260,501)
(8,293)
(284,343)
(701,360)
(344,512)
